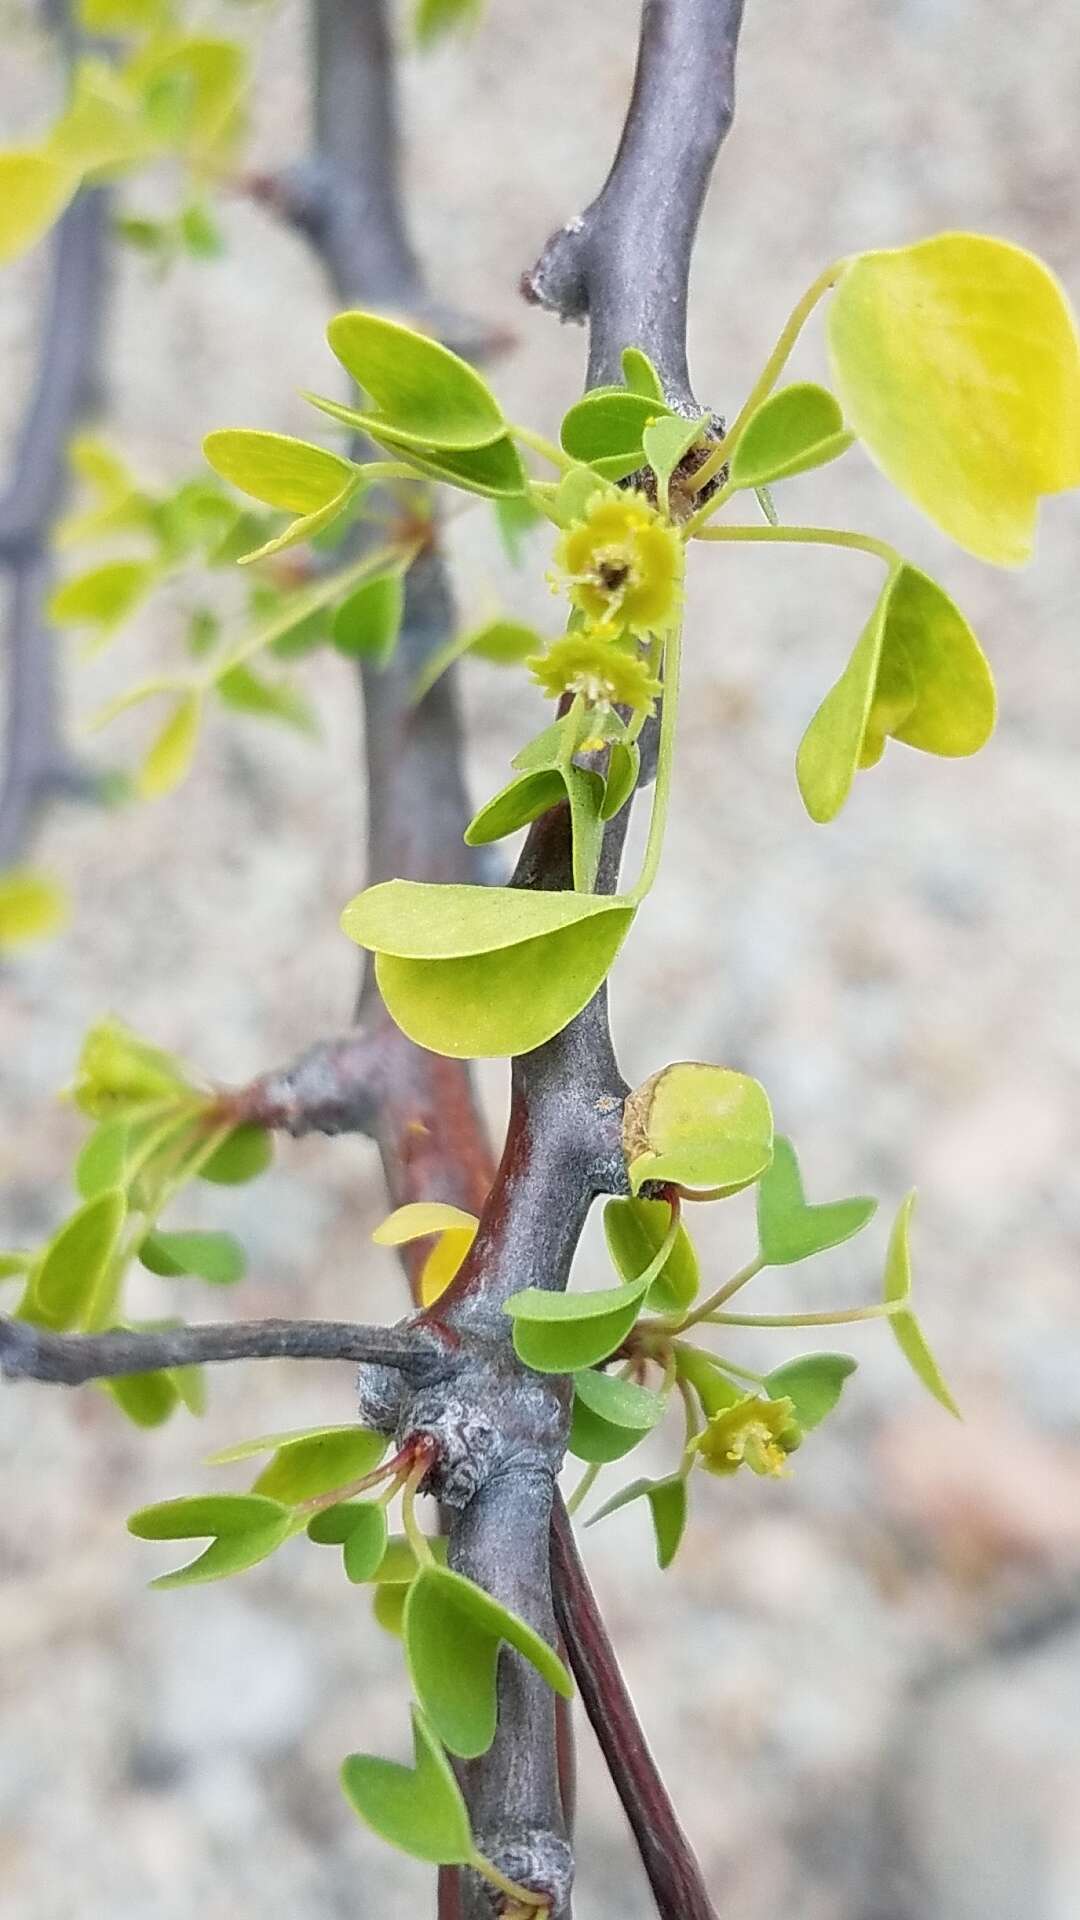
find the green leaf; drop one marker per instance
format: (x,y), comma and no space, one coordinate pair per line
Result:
(668,1504)
(368,622)
(359,1526)
(388,1606)
(200,232)
(812,1383)
(634,1230)
(485,971)
(308,1463)
(169,758)
(292,475)
(14,1262)
(32,906)
(103,597)
(246,1153)
(516,519)
(118,1071)
(34,190)
(246,691)
(667,441)
(711,1384)
(217,1258)
(699,1126)
(918,674)
(563,1332)
(453,1634)
(76,1261)
(243,1529)
(418,1810)
(789,1229)
(640,374)
(610,1416)
(606,430)
(147,1399)
(624,764)
(436,18)
(504,642)
(399,1566)
(494,470)
(424,394)
(795,429)
(909,1335)
(957,362)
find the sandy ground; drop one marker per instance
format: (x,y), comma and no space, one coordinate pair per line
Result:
(863,1683)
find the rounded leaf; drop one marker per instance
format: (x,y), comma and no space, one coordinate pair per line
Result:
(606,430)
(291,475)
(668,1504)
(32,906)
(34,190)
(812,1383)
(699,1126)
(359,1527)
(610,1416)
(76,1261)
(453,1633)
(244,1529)
(246,1153)
(367,623)
(789,1229)
(427,395)
(417,1809)
(634,1230)
(799,427)
(957,362)
(217,1258)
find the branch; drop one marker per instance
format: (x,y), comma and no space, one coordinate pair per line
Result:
(674,1874)
(36,763)
(625,262)
(415,1351)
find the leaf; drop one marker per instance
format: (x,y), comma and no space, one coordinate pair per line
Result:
(453,1634)
(34,190)
(504,642)
(610,1416)
(789,1229)
(359,1526)
(456,1232)
(217,1258)
(699,1126)
(246,1153)
(812,1383)
(76,1261)
(307,1465)
(563,1332)
(668,1504)
(494,470)
(918,674)
(246,691)
(957,362)
(640,374)
(606,430)
(147,1399)
(667,441)
(624,765)
(485,971)
(117,1070)
(423,393)
(399,1566)
(436,18)
(795,429)
(367,624)
(291,475)
(516,519)
(101,126)
(634,1230)
(32,906)
(909,1335)
(243,1529)
(195,87)
(14,1263)
(103,597)
(707,1378)
(168,760)
(418,1810)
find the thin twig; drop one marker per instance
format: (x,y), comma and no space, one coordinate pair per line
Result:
(71,1359)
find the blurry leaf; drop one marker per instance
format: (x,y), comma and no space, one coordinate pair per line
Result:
(169,757)
(909,1335)
(917,673)
(34,190)
(634,1230)
(116,1071)
(453,1633)
(76,1261)
(812,1383)
(103,597)
(32,907)
(246,1153)
(957,362)
(435,18)
(367,624)
(246,691)
(147,1399)
(668,1505)
(200,233)
(478,971)
(516,518)
(789,1229)
(217,1258)
(101,128)
(419,1810)
(793,430)
(243,1529)
(504,642)
(698,1125)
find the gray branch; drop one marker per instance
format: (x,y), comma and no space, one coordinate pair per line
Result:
(418,1353)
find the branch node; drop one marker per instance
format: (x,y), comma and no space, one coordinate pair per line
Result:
(536,1859)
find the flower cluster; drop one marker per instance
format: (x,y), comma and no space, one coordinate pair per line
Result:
(621,567)
(756,1433)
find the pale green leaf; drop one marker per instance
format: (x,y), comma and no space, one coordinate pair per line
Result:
(634,1230)
(908,1333)
(789,1229)
(699,1126)
(34,190)
(170,755)
(797,428)
(243,1529)
(32,907)
(416,1809)
(812,1383)
(422,393)
(217,1258)
(76,1261)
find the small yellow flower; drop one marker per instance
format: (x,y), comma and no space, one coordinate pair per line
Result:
(623,564)
(756,1433)
(606,672)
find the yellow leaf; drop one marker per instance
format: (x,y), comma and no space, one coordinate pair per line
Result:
(31,907)
(455,1228)
(34,190)
(957,363)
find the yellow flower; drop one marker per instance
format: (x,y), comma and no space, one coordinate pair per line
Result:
(756,1433)
(606,672)
(623,564)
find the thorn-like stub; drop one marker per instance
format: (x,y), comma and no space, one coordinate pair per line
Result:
(467,1446)
(540,1861)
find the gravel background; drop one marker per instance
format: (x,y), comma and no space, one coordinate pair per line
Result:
(863,1683)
